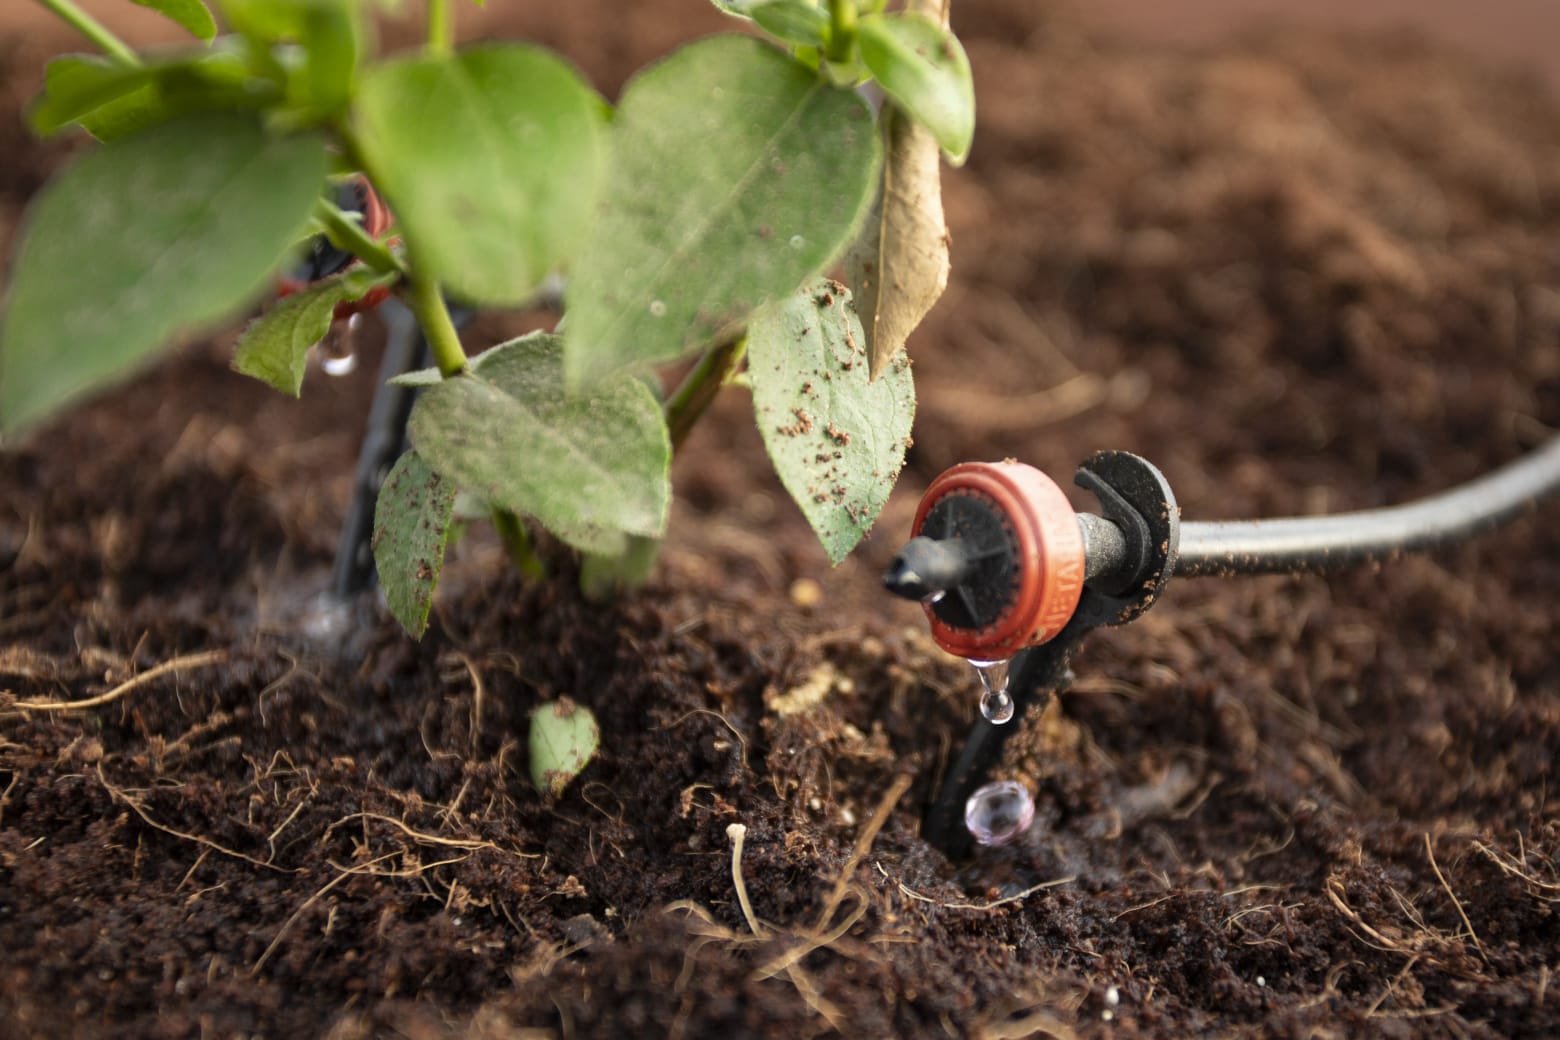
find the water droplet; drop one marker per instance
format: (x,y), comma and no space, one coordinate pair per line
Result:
(657,308)
(798,242)
(338,350)
(935,596)
(996,704)
(999,812)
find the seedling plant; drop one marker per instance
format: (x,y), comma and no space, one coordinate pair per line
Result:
(695,224)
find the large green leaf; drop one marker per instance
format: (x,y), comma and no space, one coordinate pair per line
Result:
(411,527)
(836,438)
(275,347)
(923,68)
(143,239)
(592,469)
(737,175)
(192,15)
(492,161)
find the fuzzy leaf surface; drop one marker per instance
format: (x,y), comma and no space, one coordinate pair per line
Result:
(923,68)
(737,175)
(192,15)
(836,437)
(492,160)
(100,285)
(411,527)
(275,347)
(592,468)
(899,266)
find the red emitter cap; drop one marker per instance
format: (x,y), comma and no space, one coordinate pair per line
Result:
(996,558)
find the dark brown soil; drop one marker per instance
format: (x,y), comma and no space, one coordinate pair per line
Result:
(1300,273)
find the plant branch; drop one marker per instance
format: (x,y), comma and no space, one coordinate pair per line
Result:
(699,388)
(93,30)
(842,29)
(441,29)
(350,235)
(433,315)
(518,545)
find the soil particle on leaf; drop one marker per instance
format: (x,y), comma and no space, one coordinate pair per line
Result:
(1271,806)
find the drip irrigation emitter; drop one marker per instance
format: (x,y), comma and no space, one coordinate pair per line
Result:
(1007,571)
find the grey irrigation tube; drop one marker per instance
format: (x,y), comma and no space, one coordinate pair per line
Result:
(1326,543)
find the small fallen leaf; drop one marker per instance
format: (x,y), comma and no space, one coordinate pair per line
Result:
(563,739)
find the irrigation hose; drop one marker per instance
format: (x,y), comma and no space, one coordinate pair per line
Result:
(1326,543)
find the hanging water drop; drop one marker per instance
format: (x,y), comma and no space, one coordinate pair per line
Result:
(338,350)
(996,704)
(998,812)
(934,597)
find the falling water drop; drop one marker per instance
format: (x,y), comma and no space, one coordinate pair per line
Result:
(338,350)
(998,812)
(996,704)
(798,242)
(657,308)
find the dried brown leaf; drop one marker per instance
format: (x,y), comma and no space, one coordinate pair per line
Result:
(899,267)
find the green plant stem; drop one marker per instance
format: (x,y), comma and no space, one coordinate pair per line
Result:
(349,235)
(700,386)
(93,30)
(441,29)
(842,29)
(433,315)
(518,544)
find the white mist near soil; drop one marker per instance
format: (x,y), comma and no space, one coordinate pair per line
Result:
(996,704)
(999,812)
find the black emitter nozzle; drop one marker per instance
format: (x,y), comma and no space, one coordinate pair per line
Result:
(928,566)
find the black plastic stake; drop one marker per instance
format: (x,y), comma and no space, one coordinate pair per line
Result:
(383,443)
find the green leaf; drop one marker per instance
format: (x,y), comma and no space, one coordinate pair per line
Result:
(591,469)
(923,68)
(492,161)
(331,40)
(275,347)
(736,8)
(837,439)
(411,528)
(143,239)
(112,101)
(563,738)
(737,175)
(192,15)
(76,84)
(794,21)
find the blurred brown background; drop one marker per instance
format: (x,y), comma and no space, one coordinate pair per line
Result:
(1509,32)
